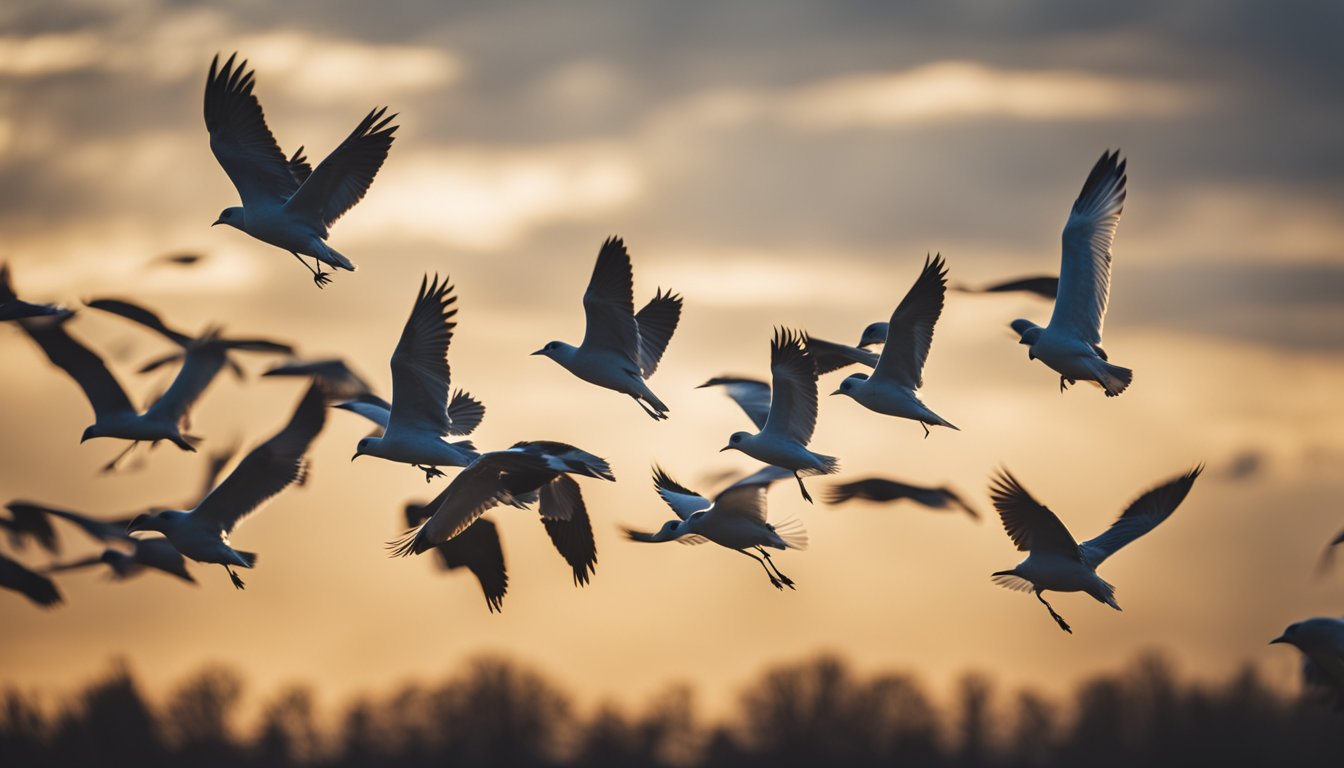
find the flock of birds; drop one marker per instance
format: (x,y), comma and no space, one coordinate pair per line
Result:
(291,205)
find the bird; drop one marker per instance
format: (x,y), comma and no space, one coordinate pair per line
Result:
(752,395)
(286,203)
(1043,286)
(202,533)
(179,260)
(12,308)
(1071,343)
(883,490)
(147,554)
(900,370)
(792,417)
(34,586)
(1055,561)
(98,529)
(24,523)
(620,348)
(339,381)
(735,519)
(1321,642)
(526,472)
(477,549)
(420,415)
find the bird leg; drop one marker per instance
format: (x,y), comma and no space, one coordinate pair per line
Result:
(807,496)
(926,429)
(656,415)
(237,582)
(776,582)
(1064,625)
(785,579)
(319,277)
(430,472)
(111,466)
(1062,385)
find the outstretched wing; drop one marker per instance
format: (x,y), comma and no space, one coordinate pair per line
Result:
(344,176)
(138,314)
(106,396)
(33,586)
(1142,516)
(683,501)
(910,331)
(420,363)
(609,304)
(656,322)
(204,360)
(477,549)
(370,406)
(752,395)
(102,530)
(1031,525)
(1085,269)
(240,139)
(571,532)
(832,355)
(746,497)
(464,413)
(793,409)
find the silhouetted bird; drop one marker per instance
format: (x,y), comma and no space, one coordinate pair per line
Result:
(477,549)
(735,519)
(99,530)
(147,554)
(34,586)
(12,308)
(285,202)
(1071,343)
(882,490)
(24,523)
(1044,286)
(339,382)
(1055,561)
(620,348)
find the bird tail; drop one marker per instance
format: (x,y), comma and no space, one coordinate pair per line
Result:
(408,544)
(793,533)
(333,257)
(246,559)
(655,407)
(1105,593)
(829,466)
(1112,378)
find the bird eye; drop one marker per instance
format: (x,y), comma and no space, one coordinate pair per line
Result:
(226,214)
(736,439)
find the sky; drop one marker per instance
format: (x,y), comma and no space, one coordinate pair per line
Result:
(785,163)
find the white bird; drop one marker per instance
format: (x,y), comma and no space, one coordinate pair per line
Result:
(285,203)
(735,519)
(12,308)
(620,348)
(792,418)
(155,554)
(1044,286)
(900,370)
(34,586)
(1055,561)
(1321,641)
(477,549)
(420,415)
(202,533)
(882,490)
(1071,343)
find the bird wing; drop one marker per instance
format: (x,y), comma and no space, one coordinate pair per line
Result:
(955,498)
(478,549)
(341,180)
(832,356)
(870,489)
(656,322)
(751,395)
(371,407)
(240,139)
(746,497)
(420,363)
(1045,286)
(464,413)
(204,360)
(609,304)
(683,501)
(214,467)
(33,586)
(1085,269)
(102,530)
(74,565)
(31,520)
(83,365)
(338,380)
(1142,516)
(138,314)
(1031,526)
(793,408)
(571,534)
(268,469)
(910,331)
(162,555)
(299,167)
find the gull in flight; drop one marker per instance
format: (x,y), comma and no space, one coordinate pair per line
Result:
(882,490)
(1055,561)
(202,533)
(517,476)
(339,381)
(900,370)
(286,202)
(792,417)
(12,308)
(477,549)
(620,348)
(34,586)
(420,415)
(156,554)
(735,519)
(27,522)
(1071,343)
(1321,641)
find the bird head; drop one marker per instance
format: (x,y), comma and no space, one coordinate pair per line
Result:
(875,333)
(554,350)
(735,441)
(362,448)
(232,216)
(850,383)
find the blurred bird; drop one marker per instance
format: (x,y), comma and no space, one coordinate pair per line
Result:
(420,415)
(286,202)
(620,348)
(752,395)
(477,549)
(179,259)
(338,380)
(1071,343)
(34,586)
(24,523)
(882,490)
(735,519)
(900,370)
(1328,556)
(1055,561)
(148,554)
(202,533)
(1044,286)
(1321,641)
(792,417)
(11,308)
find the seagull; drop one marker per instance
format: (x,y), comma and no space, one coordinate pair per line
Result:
(420,415)
(339,381)
(156,554)
(900,370)
(735,519)
(620,348)
(1321,641)
(202,533)
(24,523)
(1071,343)
(1055,561)
(33,586)
(882,490)
(1044,286)
(792,417)
(752,395)
(477,549)
(286,202)
(11,308)
(517,476)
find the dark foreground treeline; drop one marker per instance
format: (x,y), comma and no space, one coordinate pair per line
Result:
(816,713)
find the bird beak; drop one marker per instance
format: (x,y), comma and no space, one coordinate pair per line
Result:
(1279,639)
(540,352)
(217,222)
(724,448)
(836,392)
(356,456)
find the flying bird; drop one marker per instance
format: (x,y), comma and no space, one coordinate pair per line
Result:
(24,523)
(477,549)
(1055,561)
(420,415)
(285,202)
(1043,286)
(735,519)
(179,259)
(900,370)
(1321,642)
(882,490)
(34,586)
(147,554)
(792,417)
(620,348)
(1071,343)
(339,381)
(12,308)
(202,533)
